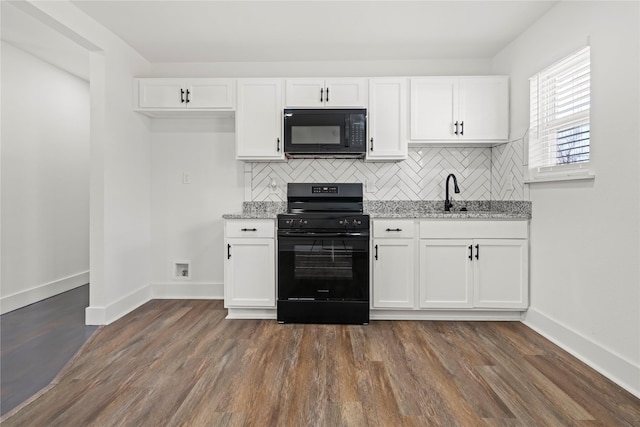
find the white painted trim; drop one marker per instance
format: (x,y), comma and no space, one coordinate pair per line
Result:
(270,313)
(251,313)
(22,299)
(248,173)
(113,312)
(554,178)
(376,314)
(623,372)
(188,290)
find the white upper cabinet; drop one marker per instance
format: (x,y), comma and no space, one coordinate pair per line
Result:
(259,120)
(387,119)
(332,93)
(181,94)
(484,108)
(459,109)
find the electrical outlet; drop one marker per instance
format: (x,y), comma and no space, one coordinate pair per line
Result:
(186,178)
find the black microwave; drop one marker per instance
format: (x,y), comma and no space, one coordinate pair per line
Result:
(325,132)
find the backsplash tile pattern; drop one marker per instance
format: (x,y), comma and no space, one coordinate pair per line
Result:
(421,177)
(507,171)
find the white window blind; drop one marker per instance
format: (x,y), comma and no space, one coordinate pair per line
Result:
(559,114)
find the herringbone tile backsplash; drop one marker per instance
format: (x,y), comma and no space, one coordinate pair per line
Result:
(420,177)
(507,171)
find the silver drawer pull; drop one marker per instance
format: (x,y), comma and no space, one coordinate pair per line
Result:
(249,229)
(394,229)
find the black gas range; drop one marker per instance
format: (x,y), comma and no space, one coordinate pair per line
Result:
(323,255)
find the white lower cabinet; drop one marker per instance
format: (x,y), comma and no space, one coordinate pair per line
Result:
(393,262)
(446,274)
(500,273)
(474,264)
(393,273)
(249,268)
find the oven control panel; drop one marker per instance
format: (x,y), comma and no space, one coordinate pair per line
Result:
(330,189)
(323,222)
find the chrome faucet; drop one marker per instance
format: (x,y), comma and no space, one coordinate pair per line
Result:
(447,202)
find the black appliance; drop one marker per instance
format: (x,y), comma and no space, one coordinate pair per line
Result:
(325,132)
(323,255)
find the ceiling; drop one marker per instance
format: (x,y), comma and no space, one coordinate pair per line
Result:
(29,34)
(305,30)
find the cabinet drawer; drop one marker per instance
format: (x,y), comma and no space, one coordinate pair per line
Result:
(470,229)
(393,228)
(250,228)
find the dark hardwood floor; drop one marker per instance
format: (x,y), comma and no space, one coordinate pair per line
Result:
(180,363)
(37,341)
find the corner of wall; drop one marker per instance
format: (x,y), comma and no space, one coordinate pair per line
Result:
(606,361)
(108,314)
(507,171)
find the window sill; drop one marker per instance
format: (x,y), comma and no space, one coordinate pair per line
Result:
(560,176)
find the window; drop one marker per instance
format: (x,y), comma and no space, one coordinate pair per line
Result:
(559,139)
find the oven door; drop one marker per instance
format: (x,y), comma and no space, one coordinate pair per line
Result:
(323,266)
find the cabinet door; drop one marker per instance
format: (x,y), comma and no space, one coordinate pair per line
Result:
(501,273)
(211,93)
(433,108)
(249,273)
(161,93)
(259,120)
(305,93)
(393,273)
(387,119)
(484,108)
(346,93)
(446,273)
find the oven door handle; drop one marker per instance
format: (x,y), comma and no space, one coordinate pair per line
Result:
(316,234)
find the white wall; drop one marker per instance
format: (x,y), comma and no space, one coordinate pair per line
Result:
(445,67)
(186,219)
(585,281)
(120,196)
(45,180)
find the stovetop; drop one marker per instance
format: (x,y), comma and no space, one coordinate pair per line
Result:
(324,207)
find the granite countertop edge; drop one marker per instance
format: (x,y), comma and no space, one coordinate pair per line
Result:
(400,215)
(508,210)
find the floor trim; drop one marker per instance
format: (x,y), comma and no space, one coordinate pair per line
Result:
(187,290)
(42,292)
(613,366)
(108,314)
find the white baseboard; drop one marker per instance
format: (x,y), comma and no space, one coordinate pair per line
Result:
(22,299)
(252,313)
(170,290)
(466,315)
(619,370)
(112,312)
(187,290)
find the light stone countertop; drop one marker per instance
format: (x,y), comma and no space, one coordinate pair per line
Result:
(508,210)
